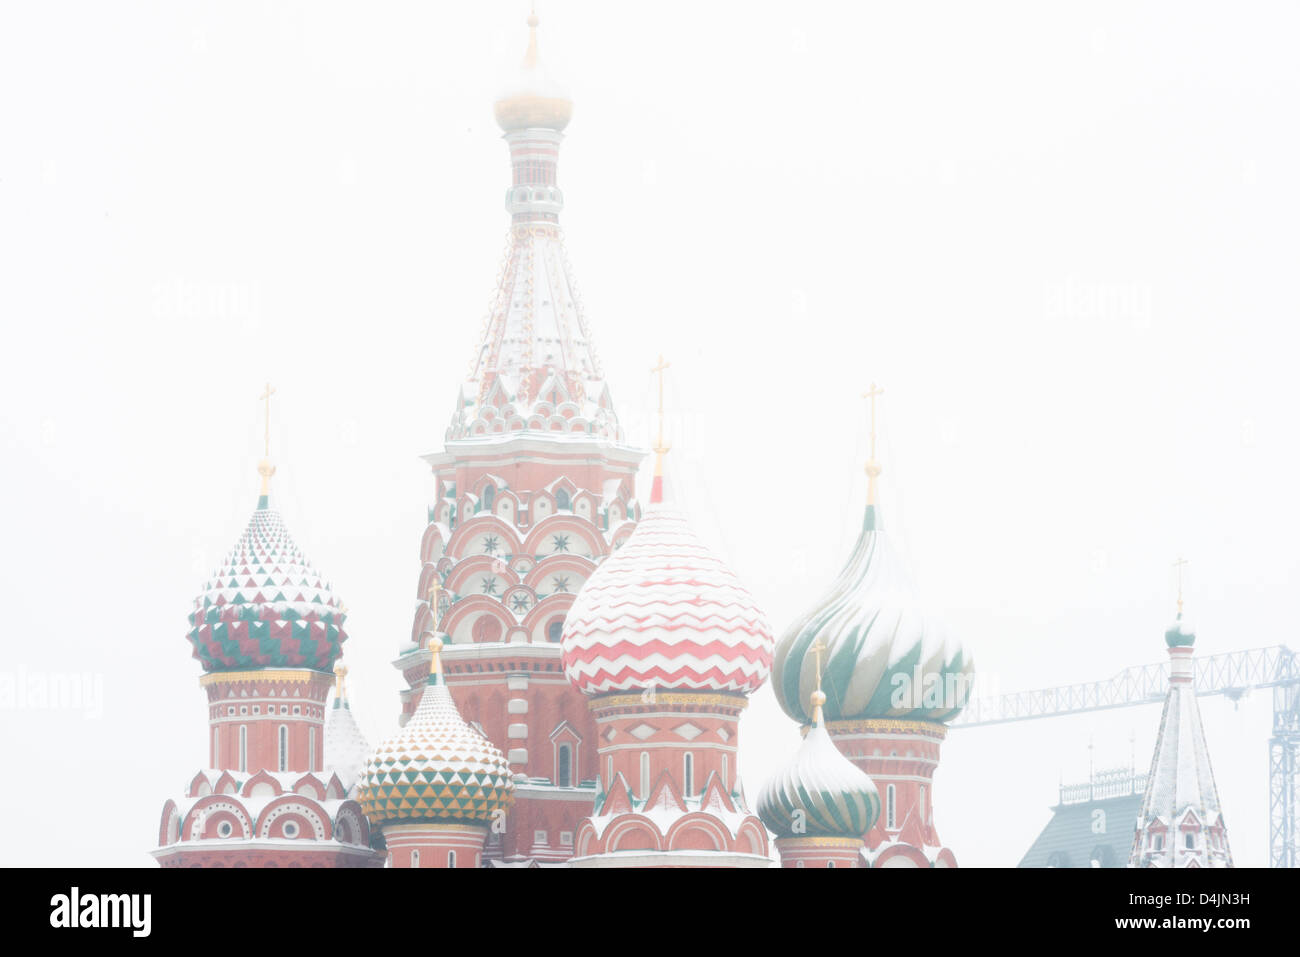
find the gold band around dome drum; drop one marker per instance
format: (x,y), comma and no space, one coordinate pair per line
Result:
(426,825)
(716,699)
(885,726)
(820,841)
(267,675)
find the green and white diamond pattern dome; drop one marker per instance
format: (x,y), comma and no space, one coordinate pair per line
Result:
(437,768)
(266,606)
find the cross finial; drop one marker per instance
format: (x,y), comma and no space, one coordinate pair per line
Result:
(1179,566)
(435,589)
(266,397)
(659,369)
(264,467)
(661,446)
(818,696)
(873,467)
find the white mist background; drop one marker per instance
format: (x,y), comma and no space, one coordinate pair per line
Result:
(1063,240)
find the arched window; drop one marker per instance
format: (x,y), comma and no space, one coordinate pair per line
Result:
(243,747)
(311,749)
(415,857)
(925,817)
(562,499)
(1189,841)
(830,863)
(284,747)
(724,772)
(609,772)
(489,496)
(644,790)
(216,747)
(451,858)
(555,630)
(564,767)
(890,807)
(688,775)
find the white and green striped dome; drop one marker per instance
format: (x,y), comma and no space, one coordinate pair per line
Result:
(876,636)
(819,793)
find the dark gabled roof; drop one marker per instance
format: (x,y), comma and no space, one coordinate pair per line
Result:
(1070,838)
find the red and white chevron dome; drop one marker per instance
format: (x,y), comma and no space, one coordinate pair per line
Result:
(664,612)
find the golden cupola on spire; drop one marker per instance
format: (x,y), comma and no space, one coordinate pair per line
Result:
(533,99)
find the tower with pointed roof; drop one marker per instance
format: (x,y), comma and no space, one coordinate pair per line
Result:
(1181,821)
(267,629)
(534,489)
(667,645)
(893,678)
(346,748)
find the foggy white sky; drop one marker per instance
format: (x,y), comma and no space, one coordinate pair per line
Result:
(1062,239)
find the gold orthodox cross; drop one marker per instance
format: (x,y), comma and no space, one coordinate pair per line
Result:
(266,397)
(871,394)
(873,467)
(659,370)
(435,589)
(818,647)
(1179,566)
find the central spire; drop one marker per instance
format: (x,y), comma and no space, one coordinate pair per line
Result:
(536,368)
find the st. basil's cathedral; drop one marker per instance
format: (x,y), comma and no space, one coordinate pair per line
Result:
(579,661)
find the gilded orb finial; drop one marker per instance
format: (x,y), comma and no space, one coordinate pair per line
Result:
(340,673)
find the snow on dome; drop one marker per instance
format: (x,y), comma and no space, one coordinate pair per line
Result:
(664,612)
(877,637)
(820,792)
(437,768)
(346,748)
(266,606)
(534,100)
(1180,633)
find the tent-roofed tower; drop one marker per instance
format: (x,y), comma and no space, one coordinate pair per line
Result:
(346,748)
(534,488)
(1181,822)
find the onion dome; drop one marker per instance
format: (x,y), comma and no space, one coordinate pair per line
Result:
(266,606)
(346,748)
(821,793)
(1180,634)
(664,612)
(534,100)
(437,768)
(879,642)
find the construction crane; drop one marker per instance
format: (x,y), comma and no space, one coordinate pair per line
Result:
(1230,674)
